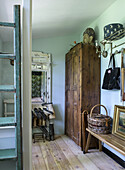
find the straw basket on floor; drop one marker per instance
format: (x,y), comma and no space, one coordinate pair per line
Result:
(99,123)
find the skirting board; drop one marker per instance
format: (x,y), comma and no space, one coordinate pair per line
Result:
(113,156)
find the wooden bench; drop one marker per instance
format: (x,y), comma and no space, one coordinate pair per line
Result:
(111,140)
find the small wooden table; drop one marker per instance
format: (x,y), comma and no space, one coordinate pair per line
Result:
(111,140)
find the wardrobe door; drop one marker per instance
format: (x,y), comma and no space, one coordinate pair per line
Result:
(90,78)
(68,96)
(72,94)
(76,95)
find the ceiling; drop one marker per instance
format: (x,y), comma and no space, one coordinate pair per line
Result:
(64,17)
(52,18)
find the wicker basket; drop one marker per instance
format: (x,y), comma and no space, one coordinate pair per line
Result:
(99,123)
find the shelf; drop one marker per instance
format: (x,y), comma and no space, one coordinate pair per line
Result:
(7,56)
(37,130)
(7,88)
(117,35)
(7,154)
(7,121)
(7,24)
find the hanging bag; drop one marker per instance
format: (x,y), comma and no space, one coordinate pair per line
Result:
(112,76)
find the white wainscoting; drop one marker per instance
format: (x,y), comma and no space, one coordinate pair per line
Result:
(7,137)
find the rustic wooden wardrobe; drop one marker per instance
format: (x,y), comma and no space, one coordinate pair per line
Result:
(82,87)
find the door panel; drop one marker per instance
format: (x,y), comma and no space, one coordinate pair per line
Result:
(76,94)
(90,78)
(68,96)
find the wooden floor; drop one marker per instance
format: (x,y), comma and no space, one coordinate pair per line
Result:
(64,154)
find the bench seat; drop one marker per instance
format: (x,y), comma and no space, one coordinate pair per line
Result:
(110,139)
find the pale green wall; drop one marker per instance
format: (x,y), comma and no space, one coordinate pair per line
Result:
(58,47)
(114,14)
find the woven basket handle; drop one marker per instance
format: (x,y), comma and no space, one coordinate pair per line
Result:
(97,106)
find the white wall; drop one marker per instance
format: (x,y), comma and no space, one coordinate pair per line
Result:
(58,47)
(26,82)
(114,14)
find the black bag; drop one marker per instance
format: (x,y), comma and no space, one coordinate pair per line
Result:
(112,76)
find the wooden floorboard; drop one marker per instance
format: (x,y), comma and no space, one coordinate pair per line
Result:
(85,161)
(60,158)
(73,160)
(64,154)
(37,158)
